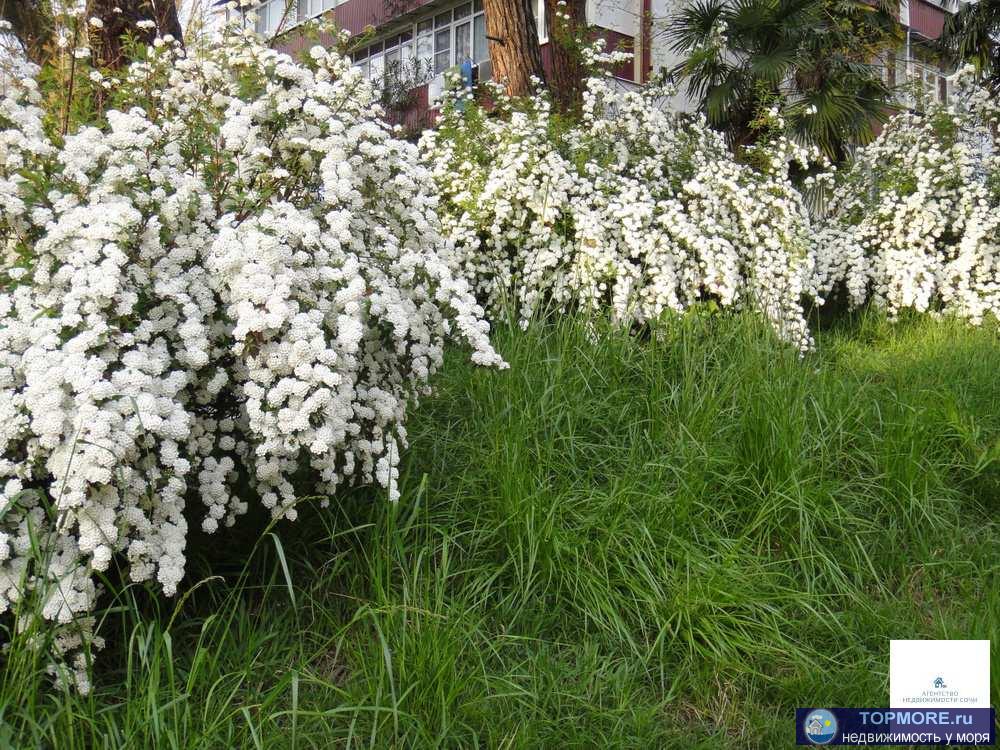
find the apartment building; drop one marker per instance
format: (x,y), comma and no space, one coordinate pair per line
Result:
(410,44)
(917,69)
(416,41)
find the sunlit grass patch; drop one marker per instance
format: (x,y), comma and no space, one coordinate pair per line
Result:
(666,540)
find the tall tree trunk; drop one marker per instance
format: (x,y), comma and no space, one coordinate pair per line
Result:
(567,73)
(514,51)
(109,44)
(31,23)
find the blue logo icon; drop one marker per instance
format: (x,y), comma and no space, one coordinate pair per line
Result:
(820,727)
(939,683)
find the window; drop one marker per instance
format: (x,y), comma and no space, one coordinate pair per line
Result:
(431,45)
(406,49)
(538,6)
(463,33)
(271,13)
(376,66)
(480,47)
(925,84)
(442,42)
(392,59)
(308,8)
(425,44)
(463,43)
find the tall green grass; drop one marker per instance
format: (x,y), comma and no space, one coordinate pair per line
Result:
(669,540)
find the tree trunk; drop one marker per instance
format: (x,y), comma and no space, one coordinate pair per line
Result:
(109,41)
(567,74)
(31,23)
(514,51)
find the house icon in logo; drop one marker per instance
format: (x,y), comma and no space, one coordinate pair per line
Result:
(820,727)
(939,683)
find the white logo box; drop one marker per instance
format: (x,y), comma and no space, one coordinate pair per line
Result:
(939,674)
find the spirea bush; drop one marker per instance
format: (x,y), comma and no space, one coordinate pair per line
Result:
(633,210)
(914,222)
(236,275)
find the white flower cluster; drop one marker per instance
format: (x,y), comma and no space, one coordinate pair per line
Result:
(914,222)
(240,277)
(596,56)
(635,209)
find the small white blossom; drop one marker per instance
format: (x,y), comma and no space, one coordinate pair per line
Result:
(637,211)
(914,221)
(181,340)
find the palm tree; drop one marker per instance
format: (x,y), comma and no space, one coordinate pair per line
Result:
(816,61)
(973,35)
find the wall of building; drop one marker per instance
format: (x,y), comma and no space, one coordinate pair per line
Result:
(638,26)
(662,57)
(619,22)
(620,16)
(919,73)
(924,18)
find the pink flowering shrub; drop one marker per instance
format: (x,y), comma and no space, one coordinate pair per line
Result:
(237,273)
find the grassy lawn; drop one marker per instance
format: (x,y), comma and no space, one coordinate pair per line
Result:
(662,543)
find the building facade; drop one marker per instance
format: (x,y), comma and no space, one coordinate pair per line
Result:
(411,44)
(917,70)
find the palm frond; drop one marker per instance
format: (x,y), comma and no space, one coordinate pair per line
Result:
(692,27)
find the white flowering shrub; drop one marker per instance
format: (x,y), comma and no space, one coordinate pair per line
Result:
(634,210)
(236,274)
(914,222)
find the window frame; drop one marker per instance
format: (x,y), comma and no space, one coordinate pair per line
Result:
(540,21)
(293,19)
(272,13)
(424,31)
(930,78)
